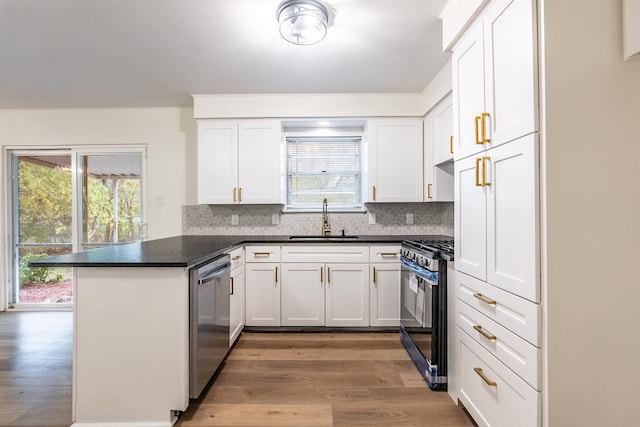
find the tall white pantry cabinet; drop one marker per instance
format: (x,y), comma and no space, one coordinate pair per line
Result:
(496,126)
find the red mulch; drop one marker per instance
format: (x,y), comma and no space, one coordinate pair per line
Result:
(61,292)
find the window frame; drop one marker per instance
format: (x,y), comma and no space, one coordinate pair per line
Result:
(328,134)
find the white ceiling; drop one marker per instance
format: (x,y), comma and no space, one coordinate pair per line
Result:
(137,53)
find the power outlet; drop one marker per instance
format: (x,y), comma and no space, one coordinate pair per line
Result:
(234,219)
(409,218)
(372,218)
(275,219)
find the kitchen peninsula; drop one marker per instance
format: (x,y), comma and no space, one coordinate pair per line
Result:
(131,323)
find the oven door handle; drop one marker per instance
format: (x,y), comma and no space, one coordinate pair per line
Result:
(428,276)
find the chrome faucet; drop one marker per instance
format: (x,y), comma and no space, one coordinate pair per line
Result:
(326,228)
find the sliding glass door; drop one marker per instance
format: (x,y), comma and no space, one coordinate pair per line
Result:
(42,226)
(68,201)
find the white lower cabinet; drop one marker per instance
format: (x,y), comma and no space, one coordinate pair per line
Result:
(520,356)
(517,314)
(262,286)
(347,295)
(325,285)
(493,394)
(236,295)
(322,285)
(302,294)
(384,288)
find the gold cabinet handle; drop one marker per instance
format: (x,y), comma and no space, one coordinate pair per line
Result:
(429,191)
(235,258)
(235,197)
(484,171)
(261,253)
(321,278)
(451,144)
(477,123)
(374,275)
(485,300)
(483,131)
(276,274)
(231,286)
(484,333)
(484,378)
(328,275)
(478,160)
(240,194)
(388,254)
(374,193)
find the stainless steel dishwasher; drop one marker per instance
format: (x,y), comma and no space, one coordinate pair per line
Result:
(208,321)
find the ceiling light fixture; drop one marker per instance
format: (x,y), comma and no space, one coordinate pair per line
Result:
(303,22)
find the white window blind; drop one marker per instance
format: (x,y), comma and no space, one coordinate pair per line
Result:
(324,167)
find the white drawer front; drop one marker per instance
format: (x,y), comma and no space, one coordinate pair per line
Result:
(387,253)
(324,253)
(262,254)
(237,257)
(514,313)
(501,398)
(519,355)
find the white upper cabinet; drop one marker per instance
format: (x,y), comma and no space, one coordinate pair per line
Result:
(495,78)
(238,161)
(217,161)
(442,146)
(395,160)
(438,147)
(259,161)
(496,220)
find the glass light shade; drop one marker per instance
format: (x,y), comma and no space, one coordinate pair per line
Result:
(303,22)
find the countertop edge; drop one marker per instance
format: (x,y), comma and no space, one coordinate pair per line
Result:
(186,251)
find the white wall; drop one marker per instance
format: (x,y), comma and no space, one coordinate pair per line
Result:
(591,130)
(168,133)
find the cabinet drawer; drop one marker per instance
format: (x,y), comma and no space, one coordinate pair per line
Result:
(514,313)
(323,253)
(237,257)
(491,392)
(387,253)
(262,254)
(519,355)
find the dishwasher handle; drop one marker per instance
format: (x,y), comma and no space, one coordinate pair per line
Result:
(215,274)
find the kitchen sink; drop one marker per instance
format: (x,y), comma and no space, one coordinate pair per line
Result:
(316,238)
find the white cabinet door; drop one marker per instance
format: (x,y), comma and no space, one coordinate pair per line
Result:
(511,78)
(442,145)
(262,297)
(470,218)
(395,160)
(236,315)
(496,217)
(238,161)
(438,176)
(217,161)
(512,218)
(385,294)
(302,294)
(259,161)
(495,79)
(347,295)
(468,93)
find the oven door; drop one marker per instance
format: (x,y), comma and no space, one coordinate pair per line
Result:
(416,308)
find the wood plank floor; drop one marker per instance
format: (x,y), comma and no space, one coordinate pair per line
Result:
(269,379)
(35,368)
(321,379)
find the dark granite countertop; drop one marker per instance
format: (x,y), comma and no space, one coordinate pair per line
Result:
(188,251)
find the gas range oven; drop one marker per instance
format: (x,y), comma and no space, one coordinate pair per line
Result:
(423,314)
